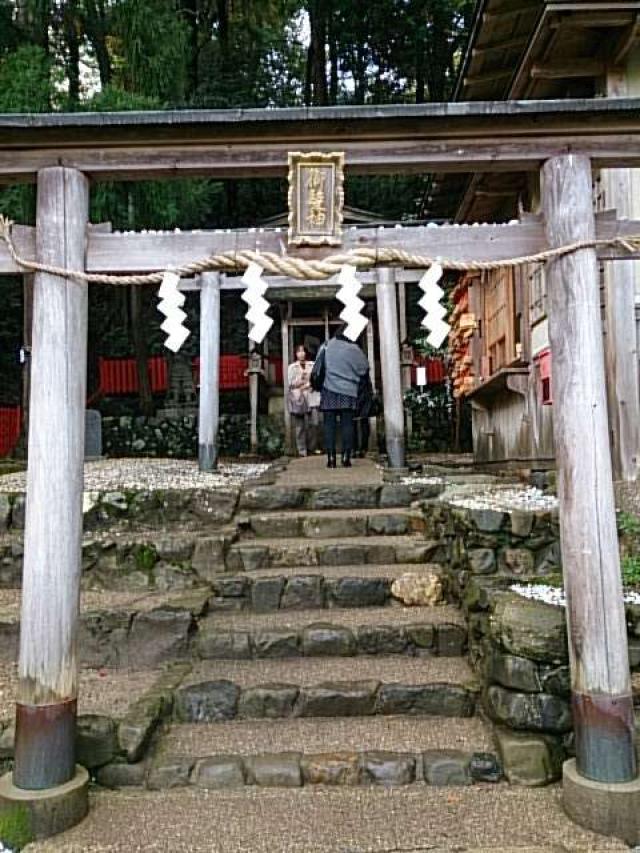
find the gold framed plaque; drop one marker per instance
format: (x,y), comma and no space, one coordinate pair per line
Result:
(316,198)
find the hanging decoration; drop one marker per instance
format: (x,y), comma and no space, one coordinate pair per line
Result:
(353,305)
(435,312)
(171,302)
(257,317)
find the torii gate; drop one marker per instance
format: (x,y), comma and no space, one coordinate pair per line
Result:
(564,139)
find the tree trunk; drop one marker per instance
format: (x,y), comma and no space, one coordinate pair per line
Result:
(95,25)
(70,27)
(333,58)
(318,23)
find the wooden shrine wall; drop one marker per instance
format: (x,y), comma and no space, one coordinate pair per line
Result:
(499,348)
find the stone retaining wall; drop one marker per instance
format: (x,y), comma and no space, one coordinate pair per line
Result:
(517,646)
(487,542)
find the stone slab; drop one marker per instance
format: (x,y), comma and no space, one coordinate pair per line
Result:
(609,809)
(29,815)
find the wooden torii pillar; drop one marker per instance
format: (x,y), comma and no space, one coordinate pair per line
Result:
(209,401)
(390,366)
(601,789)
(46,783)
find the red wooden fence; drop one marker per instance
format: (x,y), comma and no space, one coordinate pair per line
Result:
(9,429)
(436,370)
(119,375)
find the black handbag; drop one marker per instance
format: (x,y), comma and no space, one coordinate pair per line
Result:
(319,368)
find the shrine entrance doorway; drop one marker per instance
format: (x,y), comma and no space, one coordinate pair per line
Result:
(311,322)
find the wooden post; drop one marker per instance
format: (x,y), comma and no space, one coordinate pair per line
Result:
(390,365)
(46,706)
(600,683)
(254,379)
(621,347)
(371,358)
(406,368)
(285,312)
(209,402)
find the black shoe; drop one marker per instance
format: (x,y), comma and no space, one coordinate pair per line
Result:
(346,460)
(331,460)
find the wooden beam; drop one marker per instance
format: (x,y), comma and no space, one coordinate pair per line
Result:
(48,672)
(458,137)
(120,253)
(596,627)
(209,398)
(498,47)
(625,42)
(507,14)
(599,18)
(566,70)
(488,77)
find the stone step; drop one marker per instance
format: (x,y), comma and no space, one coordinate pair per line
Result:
(436,631)
(339,496)
(326,687)
(271,553)
(344,751)
(332,524)
(296,588)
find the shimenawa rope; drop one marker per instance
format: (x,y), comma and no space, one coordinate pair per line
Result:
(318,270)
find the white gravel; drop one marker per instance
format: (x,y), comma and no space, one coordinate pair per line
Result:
(418,480)
(108,475)
(506,499)
(555,595)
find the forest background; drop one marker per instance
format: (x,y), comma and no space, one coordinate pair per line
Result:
(111,55)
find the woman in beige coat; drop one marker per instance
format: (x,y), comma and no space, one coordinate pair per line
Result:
(303,403)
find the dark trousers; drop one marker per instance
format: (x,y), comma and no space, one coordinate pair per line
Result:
(331,428)
(363,431)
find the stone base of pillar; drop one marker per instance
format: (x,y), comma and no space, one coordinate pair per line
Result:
(29,815)
(394,475)
(607,808)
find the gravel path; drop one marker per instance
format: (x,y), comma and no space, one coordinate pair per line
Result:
(108,475)
(100,691)
(313,471)
(327,734)
(439,820)
(391,668)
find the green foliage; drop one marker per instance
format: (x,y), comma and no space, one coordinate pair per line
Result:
(26,85)
(432,418)
(145,557)
(631,570)
(628,524)
(15,827)
(150,49)
(26,81)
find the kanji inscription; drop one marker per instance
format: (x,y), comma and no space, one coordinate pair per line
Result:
(315,198)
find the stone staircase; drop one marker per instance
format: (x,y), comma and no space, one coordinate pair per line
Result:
(308,671)
(295,664)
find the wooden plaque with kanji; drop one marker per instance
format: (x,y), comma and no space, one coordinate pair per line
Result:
(316,198)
